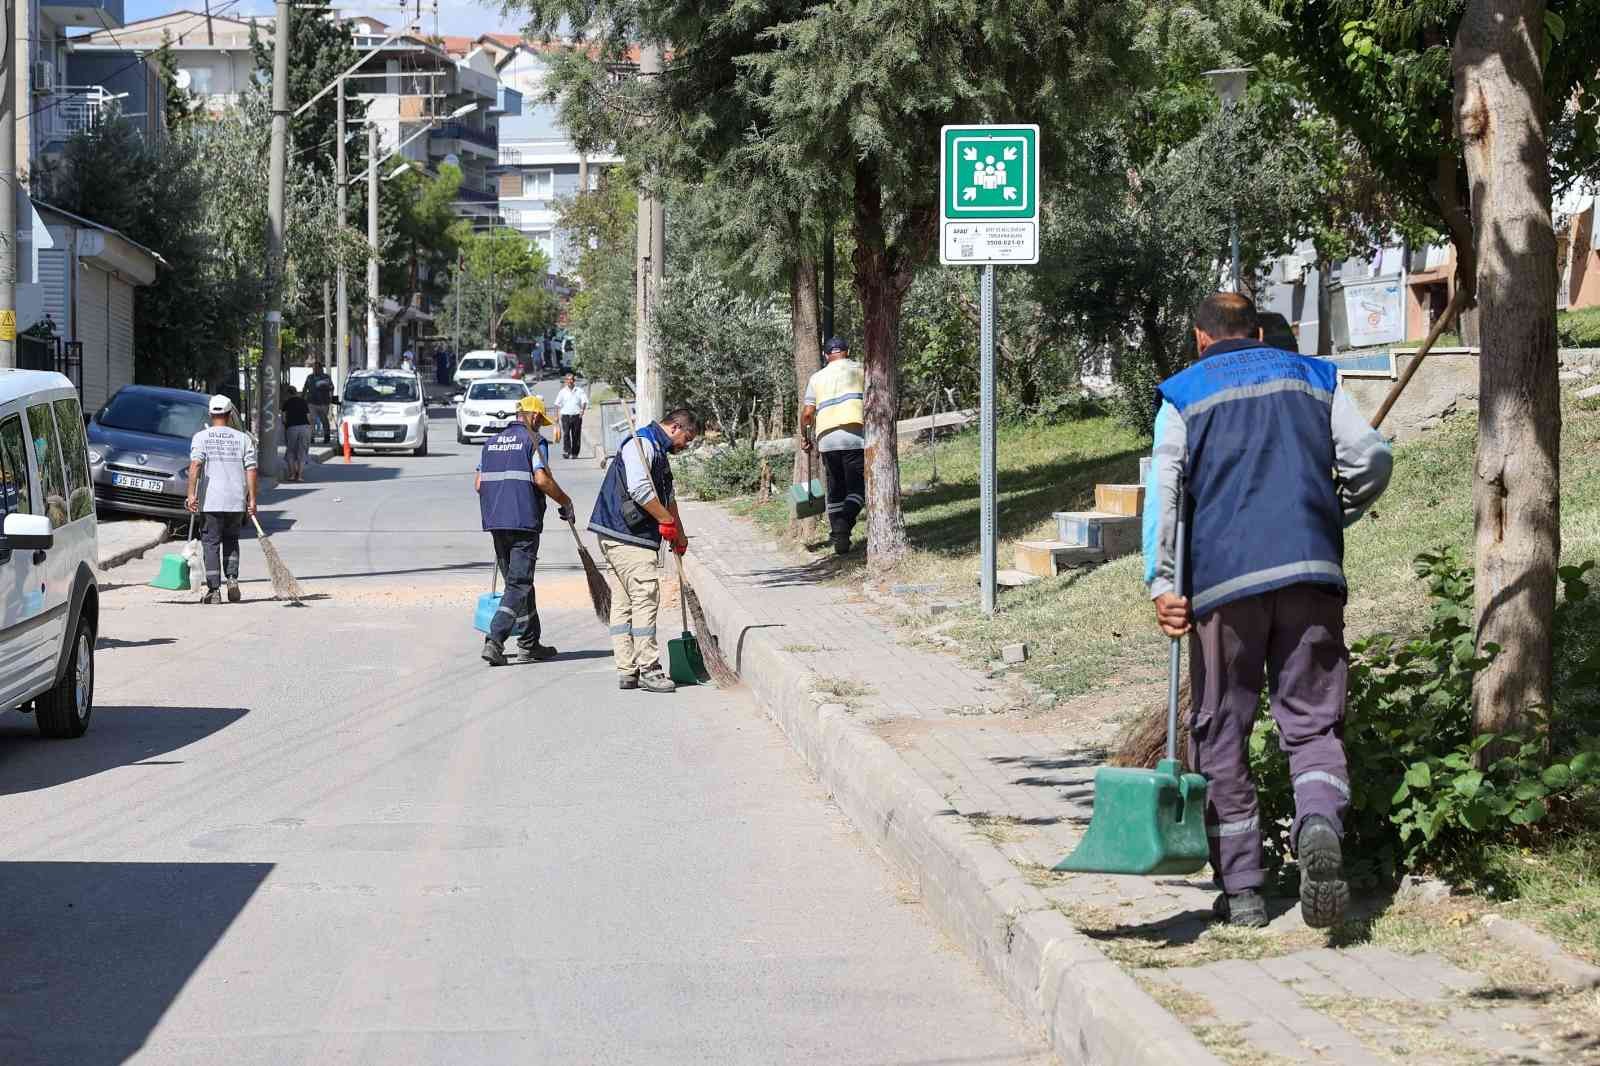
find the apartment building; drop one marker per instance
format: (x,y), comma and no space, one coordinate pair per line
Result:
(215,64)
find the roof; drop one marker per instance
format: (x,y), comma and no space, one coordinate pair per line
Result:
(15,384)
(180,24)
(154,255)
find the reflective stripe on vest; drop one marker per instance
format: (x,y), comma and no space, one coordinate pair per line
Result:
(840,391)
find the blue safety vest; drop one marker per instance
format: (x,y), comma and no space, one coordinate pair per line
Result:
(607,519)
(507,496)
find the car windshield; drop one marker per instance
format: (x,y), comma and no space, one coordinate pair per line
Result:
(396,389)
(497,390)
(149,412)
(477,364)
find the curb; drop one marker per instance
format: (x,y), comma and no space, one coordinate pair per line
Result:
(1093,1012)
(135,550)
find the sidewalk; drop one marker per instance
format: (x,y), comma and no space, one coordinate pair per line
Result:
(975,788)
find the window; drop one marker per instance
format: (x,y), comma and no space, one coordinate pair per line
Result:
(540,185)
(47,454)
(381,388)
(15,493)
(146,412)
(510,186)
(199,81)
(511,157)
(75,456)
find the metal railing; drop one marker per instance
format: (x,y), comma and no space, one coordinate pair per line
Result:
(461,131)
(78,109)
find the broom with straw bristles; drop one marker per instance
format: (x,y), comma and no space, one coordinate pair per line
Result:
(284,586)
(599,590)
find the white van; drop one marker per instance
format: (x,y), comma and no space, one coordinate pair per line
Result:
(49,546)
(483,364)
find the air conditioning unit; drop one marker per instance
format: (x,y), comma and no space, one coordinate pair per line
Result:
(44,77)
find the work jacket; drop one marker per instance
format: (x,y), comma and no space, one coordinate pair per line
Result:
(507,496)
(609,518)
(839,390)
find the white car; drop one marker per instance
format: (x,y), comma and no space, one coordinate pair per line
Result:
(384,411)
(49,548)
(482,364)
(487,407)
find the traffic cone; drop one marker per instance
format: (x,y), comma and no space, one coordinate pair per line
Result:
(344,434)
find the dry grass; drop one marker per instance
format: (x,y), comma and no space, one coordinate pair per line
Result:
(840,690)
(997,829)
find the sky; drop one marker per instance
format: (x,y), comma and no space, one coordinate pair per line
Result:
(455,16)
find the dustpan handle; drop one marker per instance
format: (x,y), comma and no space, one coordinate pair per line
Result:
(683,591)
(1175,658)
(191,527)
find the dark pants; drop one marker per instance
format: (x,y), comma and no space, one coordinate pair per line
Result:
(847,489)
(220,541)
(516,552)
(571,435)
(1297,635)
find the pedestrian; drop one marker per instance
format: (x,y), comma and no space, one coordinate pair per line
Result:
(572,403)
(227,458)
(319,397)
(296,434)
(635,512)
(1247,439)
(836,402)
(408,361)
(513,483)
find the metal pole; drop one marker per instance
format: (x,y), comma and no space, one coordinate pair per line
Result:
(341,280)
(460,281)
(1233,236)
(271,343)
(650,270)
(986,507)
(327,321)
(372,247)
(8,197)
(494,334)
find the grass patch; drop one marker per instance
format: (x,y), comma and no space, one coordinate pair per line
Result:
(1556,888)
(998,829)
(840,690)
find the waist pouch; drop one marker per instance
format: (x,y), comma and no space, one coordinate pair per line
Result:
(637,519)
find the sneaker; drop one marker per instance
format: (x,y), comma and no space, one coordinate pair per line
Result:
(493,653)
(656,681)
(627,681)
(1247,909)
(211,596)
(536,652)
(1324,893)
(233,592)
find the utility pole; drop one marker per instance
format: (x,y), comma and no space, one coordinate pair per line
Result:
(8,197)
(271,338)
(651,270)
(372,247)
(342,282)
(459,281)
(327,321)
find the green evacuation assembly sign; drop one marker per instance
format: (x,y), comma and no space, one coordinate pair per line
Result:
(989,195)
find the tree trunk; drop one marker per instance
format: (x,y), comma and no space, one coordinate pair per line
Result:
(1500,114)
(807,358)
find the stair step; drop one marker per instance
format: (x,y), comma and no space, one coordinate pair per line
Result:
(1119,499)
(1048,558)
(1114,534)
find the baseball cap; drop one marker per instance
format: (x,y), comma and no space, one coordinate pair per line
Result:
(836,344)
(531,404)
(221,405)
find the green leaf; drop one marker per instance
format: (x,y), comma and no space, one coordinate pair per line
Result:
(1531,812)
(1555,25)
(1475,816)
(1557,776)
(1467,784)
(1401,793)
(1584,763)
(1528,790)
(1419,776)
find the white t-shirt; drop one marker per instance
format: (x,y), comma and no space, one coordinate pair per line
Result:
(226,454)
(572,401)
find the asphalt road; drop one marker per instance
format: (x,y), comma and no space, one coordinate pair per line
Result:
(333,835)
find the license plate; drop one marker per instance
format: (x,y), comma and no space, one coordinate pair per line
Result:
(382,434)
(144,484)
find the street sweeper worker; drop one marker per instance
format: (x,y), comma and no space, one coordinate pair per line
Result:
(513,484)
(226,459)
(634,514)
(835,402)
(1273,460)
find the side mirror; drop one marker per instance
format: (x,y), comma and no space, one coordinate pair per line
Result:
(457,398)
(27,532)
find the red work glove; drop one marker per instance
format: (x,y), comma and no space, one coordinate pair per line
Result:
(673,535)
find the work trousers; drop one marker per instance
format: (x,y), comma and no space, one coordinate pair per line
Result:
(635,599)
(516,553)
(297,445)
(1297,635)
(320,425)
(219,539)
(847,489)
(571,435)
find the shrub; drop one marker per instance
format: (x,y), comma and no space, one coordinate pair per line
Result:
(1579,329)
(1423,792)
(725,472)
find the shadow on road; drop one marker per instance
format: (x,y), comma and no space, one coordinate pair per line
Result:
(118,736)
(96,952)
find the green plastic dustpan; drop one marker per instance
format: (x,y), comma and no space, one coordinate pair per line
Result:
(1148,821)
(173,575)
(686,663)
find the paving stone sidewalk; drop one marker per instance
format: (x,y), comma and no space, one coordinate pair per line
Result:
(1025,781)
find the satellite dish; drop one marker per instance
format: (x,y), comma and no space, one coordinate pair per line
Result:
(452,160)
(184,79)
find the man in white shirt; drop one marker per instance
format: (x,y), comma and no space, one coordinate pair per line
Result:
(573,403)
(227,458)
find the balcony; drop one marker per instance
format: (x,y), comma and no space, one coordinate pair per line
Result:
(101,14)
(509,102)
(458,131)
(75,109)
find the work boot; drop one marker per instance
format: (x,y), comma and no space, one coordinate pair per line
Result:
(536,652)
(1324,893)
(1247,909)
(212,596)
(627,682)
(841,544)
(656,681)
(493,653)
(233,592)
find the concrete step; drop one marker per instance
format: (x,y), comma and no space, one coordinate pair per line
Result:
(1047,558)
(1116,535)
(1119,499)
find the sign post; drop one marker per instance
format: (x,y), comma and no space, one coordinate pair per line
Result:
(988,216)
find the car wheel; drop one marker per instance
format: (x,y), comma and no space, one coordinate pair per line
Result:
(461,438)
(421,449)
(63,712)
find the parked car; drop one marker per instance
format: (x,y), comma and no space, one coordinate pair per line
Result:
(482,364)
(139,449)
(487,407)
(385,411)
(49,547)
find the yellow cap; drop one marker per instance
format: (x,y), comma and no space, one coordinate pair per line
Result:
(531,405)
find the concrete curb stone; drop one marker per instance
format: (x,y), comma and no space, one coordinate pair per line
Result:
(1093,1012)
(128,552)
